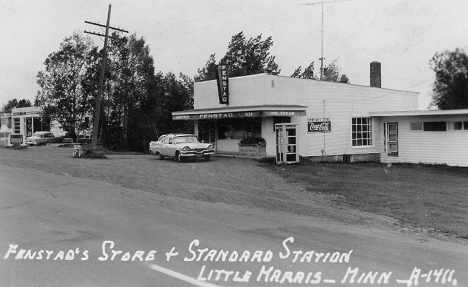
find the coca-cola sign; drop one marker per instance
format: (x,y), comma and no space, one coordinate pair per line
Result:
(319,127)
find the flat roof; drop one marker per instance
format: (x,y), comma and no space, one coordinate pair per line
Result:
(319,82)
(419,113)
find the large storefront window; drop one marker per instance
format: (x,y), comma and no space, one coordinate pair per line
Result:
(206,131)
(236,128)
(362,132)
(239,128)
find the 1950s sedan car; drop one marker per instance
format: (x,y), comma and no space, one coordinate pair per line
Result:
(42,138)
(180,146)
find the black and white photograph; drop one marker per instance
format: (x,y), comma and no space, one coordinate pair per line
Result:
(234,143)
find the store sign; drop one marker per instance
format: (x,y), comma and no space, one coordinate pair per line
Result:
(282,113)
(217,116)
(16,139)
(321,125)
(30,113)
(239,115)
(223,84)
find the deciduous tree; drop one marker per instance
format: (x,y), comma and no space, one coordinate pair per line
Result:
(308,72)
(331,73)
(61,91)
(15,104)
(450,89)
(243,57)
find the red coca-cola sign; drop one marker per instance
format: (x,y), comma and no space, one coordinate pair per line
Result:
(319,127)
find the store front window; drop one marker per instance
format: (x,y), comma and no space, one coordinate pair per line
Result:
(239,128)
(206,131)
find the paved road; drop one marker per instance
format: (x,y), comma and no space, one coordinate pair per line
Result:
(72,227)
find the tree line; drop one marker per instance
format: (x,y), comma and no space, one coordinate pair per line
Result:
(138,102)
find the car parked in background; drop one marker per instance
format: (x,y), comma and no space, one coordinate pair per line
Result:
(180,146)
(43,138)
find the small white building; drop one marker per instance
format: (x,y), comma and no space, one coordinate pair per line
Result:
(333,119)
(26,121)
(431,137)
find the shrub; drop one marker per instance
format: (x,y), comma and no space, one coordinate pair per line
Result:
(93,153)
(253,141)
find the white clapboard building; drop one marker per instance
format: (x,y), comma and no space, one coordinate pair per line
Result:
(334,121)
(432,137)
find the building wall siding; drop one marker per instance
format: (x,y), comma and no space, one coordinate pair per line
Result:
(337,101)
(428,147)
(341,103)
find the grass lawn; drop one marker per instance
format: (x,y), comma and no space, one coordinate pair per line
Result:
(421,196)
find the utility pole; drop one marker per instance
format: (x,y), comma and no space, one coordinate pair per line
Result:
(321,56)
(97,111)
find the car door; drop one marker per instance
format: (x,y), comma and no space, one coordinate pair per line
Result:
(50,138)
(170,147)
(164,149)
(42,140)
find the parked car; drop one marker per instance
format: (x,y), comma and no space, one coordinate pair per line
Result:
(180,146)
(42,138)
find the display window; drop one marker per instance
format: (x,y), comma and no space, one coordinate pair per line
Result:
(239,128)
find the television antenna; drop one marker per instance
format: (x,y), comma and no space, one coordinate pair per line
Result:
(321,3)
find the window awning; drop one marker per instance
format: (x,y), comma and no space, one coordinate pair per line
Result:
(241,112)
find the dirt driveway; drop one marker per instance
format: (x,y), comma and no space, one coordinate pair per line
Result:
(242,182)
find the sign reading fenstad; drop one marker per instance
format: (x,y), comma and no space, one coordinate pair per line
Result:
(217,115)
(223,84)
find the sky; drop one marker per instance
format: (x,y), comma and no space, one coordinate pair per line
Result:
(401,34)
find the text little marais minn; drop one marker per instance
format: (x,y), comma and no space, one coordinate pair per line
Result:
(352,277)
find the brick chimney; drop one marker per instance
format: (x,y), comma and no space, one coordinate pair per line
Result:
(375,74)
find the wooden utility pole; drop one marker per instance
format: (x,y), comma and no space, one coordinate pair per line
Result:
(97,111)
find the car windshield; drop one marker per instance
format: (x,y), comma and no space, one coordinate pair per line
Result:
(189,139)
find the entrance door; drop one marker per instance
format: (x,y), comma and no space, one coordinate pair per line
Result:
(392,139)
(286,143)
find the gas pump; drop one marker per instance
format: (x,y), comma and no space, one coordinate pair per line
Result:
(286,143)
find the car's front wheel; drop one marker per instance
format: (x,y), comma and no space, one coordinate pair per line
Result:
(179,157)
(207,158)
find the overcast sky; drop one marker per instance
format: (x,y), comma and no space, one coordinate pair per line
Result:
(402,34)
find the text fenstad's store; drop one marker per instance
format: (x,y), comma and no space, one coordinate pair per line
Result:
(331,121)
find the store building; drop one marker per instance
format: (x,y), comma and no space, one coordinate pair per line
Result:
(334,121)
(26,121)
